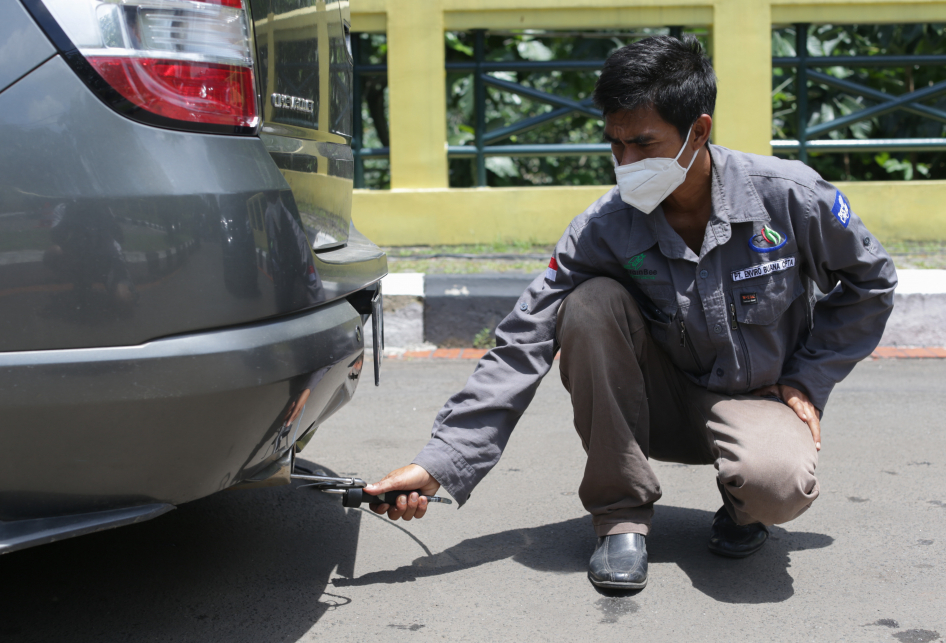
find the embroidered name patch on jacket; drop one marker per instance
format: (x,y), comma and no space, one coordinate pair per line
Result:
(763,269)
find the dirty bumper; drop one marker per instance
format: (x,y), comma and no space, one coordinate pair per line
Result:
(169,421)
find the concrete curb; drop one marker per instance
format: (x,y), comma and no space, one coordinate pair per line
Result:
(882,352)
(427,312)
(459,307)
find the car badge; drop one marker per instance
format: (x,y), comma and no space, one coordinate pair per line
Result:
(294,103)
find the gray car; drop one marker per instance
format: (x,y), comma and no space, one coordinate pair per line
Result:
(182,290)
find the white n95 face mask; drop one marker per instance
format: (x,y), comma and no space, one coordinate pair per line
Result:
(645,184)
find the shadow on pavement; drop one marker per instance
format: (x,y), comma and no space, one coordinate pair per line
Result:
(236,566)
(679,537)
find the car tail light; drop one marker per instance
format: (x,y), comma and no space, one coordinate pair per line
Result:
(185,64)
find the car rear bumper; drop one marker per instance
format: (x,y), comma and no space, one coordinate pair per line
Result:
(171,420)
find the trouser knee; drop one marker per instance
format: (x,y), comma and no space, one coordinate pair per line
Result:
(771,491)
(593,308)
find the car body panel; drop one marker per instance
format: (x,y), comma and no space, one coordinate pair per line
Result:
(166,330)
(204,228)
(22,45)
(322,197)
(171,420)
(40,531)
(306,116)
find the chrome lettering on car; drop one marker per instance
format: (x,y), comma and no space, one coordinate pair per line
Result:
(293,102)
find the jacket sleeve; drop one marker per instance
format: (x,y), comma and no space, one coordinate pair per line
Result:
(472,429)
(845,261)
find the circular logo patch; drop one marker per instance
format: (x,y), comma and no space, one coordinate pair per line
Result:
(767,240)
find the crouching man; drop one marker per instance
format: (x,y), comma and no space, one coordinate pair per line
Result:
(684,305)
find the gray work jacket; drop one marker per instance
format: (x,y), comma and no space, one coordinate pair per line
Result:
(741,315)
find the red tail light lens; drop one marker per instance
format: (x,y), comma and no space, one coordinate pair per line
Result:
(184,62)
(182,90)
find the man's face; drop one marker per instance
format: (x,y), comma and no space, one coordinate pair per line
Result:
(641,134)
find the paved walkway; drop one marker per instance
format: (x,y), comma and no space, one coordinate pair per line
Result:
(864,564)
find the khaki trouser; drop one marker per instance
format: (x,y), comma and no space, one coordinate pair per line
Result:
(631,403)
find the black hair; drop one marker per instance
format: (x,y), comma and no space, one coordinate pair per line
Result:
(672,75)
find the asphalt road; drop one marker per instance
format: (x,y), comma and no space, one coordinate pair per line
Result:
(864,564)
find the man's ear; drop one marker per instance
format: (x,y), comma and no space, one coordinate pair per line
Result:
(702,129)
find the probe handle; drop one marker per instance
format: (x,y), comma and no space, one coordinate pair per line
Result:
(357,497)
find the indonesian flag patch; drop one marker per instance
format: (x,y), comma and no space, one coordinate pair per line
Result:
(552,271)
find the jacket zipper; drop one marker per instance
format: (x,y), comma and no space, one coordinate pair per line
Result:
(684,342)
(742,341)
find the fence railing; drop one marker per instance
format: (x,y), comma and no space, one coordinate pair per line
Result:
(805,66)
(422,208)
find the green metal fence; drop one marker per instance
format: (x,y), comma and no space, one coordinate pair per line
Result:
(489,143)
(805,73)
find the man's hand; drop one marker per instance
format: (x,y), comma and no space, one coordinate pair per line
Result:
(405,479)
(799,403)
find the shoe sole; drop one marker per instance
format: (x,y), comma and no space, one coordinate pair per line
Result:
(729,554)
(607,584)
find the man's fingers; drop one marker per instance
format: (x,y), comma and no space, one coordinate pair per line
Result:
(401,509)
(388,483)
(410,503)
(405,479)
(799,408)
(806,411)
(815,425)
(421,507)
(394,512)
(405,508)
(379,509)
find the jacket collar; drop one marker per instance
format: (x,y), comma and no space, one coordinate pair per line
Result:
(643,232)
(735,200)
(734,196)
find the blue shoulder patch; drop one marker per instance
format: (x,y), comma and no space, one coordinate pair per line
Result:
(841,209)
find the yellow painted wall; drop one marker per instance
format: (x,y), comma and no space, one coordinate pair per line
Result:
(417,94)
(421,209)
(892,210)
(470,215)
(900,210)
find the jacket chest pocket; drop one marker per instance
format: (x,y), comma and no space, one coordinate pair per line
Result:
(657,304)
(763,302)
(659,317)
(755,309)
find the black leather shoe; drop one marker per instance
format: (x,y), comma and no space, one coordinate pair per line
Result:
(619,562)
(735,541)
